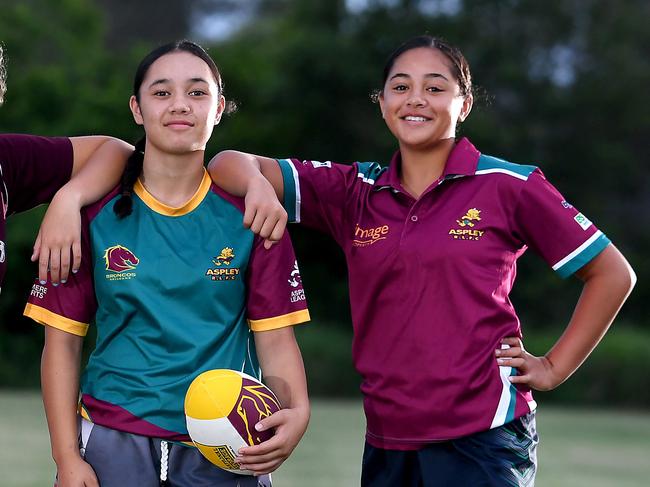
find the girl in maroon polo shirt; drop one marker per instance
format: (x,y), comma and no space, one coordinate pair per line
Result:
(33,169)
(479,214)
(441,230)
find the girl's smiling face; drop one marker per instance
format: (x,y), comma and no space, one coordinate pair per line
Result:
(178,104)
(421,100)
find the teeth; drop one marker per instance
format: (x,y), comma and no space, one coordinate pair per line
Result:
(415,119)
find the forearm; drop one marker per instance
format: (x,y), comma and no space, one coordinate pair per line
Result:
(237,172)
(282,367)
(607,283)
(97,169)
(60,385)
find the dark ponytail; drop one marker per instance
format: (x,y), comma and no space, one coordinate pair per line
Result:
(124,205)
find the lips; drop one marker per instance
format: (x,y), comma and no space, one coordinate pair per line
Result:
(181,123)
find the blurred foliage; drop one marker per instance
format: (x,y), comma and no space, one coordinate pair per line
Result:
(561,85)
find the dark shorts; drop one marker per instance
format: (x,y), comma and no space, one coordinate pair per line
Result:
(500,457)
(123,459)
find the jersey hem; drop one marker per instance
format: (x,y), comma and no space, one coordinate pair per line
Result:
(48,318)
(282,321)
(410,444)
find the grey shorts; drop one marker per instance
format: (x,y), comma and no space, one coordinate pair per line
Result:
(124,459)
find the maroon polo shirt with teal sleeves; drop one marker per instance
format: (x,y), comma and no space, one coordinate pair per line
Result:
(32,169)
(430,281)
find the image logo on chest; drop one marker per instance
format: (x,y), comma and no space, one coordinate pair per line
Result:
(368,236)
(222,270)
(120,262)
(468,226)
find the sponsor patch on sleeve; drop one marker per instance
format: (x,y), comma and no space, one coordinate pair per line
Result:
(318,164)
(582,220)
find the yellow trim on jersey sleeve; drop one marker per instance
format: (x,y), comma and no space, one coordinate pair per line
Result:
(282,321)
(48,318)
(163,209)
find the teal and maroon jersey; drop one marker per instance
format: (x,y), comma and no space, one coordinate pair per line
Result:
(32,169)
(430,281)
(173,292)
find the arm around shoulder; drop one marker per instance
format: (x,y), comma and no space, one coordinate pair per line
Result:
(259,180)
(99,163)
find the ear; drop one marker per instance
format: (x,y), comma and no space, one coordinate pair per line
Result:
(468,102)
(135,110)
(222,107)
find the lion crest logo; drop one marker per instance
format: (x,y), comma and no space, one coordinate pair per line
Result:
(467,220)
(225,257)
(119,259)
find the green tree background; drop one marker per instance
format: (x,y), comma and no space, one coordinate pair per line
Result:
(562,85)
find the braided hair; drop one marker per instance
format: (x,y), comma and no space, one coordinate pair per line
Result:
(124,205)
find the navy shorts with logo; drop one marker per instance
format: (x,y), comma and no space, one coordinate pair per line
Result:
(123,459)
(500,457)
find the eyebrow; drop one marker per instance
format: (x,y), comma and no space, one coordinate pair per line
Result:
(162,81)
(428,75)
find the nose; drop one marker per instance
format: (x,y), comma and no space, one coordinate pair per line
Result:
(415,100)
(179,105)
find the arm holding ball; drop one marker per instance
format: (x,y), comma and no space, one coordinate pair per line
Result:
(284,374)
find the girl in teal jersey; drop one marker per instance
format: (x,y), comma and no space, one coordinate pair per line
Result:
(148,353)
(393,226)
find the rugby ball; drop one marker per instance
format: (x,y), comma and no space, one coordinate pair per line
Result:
(222,407)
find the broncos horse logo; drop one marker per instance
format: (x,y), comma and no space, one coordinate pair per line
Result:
(225,257)
(472,214)
(120,259)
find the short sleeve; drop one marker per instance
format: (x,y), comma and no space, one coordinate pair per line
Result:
(565,238)
(275,295)
(33,169)
(71,306)
(325,195)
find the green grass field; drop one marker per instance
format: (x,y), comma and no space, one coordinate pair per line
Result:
(579,448)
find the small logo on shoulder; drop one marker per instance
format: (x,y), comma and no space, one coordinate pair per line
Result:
(223,272)
(582,220)
(368,236)
(295,281)
(467,223)
(120,261)
(318,164)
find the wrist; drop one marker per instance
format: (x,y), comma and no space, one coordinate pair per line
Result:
(70,195)
(258,182)
(555,375)
(66,456)
(303,411)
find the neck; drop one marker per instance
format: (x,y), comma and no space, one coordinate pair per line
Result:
(421,168)
(172,179)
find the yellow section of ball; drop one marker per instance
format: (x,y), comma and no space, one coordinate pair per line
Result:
(213,394)
(222,456)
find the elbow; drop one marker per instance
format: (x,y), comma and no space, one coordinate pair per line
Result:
(623,280)
(630,278)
